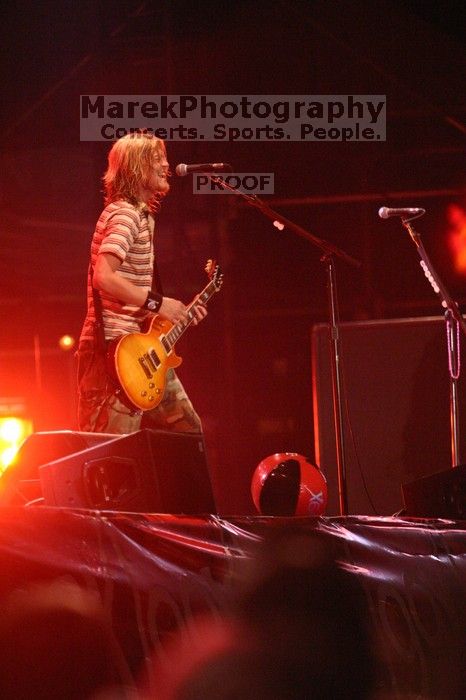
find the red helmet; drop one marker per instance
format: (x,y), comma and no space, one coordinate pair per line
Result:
(286,483)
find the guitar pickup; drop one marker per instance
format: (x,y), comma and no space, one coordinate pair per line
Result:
(149,362)
(154,358)
(142,361)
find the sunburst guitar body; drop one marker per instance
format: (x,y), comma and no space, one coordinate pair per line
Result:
(140,361)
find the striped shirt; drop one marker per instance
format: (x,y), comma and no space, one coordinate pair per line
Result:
(126,231)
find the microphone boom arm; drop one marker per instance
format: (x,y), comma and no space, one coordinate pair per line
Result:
(453,345)
(254,201)
(329,251)
(447,301)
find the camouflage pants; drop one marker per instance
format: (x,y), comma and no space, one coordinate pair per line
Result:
(101,411)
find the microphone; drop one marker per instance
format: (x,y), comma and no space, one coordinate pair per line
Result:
(386,213)
(182,169)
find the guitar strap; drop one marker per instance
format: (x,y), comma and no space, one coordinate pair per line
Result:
(99,321)
(156,285)
(99,333)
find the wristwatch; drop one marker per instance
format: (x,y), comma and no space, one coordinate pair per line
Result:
(153,301)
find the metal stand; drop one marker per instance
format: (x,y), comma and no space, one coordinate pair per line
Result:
(330,252)
(454,367)
(454,320)
(336,382)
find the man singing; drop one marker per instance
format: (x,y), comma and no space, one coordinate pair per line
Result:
(121,291)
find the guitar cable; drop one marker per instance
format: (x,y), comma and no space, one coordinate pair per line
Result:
(353,439)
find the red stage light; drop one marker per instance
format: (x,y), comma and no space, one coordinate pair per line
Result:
(456,235)
(66,342)
(13,431)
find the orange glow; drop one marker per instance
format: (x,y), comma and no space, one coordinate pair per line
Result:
(7,456)
(66,342)
(456,235)
(13,431)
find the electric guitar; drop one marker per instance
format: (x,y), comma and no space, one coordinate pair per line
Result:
(140,361)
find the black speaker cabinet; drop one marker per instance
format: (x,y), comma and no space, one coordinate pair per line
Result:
(441,495)
(20,483)
(149,471)
(396,410)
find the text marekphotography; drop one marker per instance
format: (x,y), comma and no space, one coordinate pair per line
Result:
(235,117)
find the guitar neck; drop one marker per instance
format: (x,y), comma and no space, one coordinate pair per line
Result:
(179,328)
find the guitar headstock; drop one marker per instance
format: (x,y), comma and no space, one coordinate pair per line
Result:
(214,273)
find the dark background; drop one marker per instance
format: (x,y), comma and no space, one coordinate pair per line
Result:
(248,367)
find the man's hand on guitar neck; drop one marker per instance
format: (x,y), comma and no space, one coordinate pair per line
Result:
(174,310)
(200,310)
(106,279)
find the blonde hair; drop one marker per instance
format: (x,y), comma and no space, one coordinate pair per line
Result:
(130,162)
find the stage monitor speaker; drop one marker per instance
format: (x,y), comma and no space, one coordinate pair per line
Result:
(20,483)
(149,471)
(396,410)
(441,495)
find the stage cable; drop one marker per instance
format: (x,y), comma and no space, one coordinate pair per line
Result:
(353,439)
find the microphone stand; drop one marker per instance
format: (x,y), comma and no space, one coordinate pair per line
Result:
(330,252)
(454,320)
